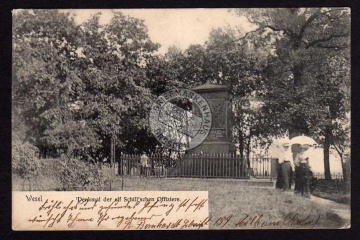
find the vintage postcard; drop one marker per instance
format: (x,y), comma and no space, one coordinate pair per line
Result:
(191,119)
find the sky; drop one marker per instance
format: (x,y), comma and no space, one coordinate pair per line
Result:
(179,27)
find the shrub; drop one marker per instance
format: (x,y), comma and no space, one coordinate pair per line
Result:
(335,190)
(76,175)
(25,163)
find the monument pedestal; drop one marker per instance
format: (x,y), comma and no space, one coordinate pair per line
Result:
(219,138)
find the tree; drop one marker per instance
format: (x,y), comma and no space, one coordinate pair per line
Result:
(237,61)
(78,86)
(187,69)
(24,159)
(225,60)
(331,121)
(113,70)
(44,45)
(306,40)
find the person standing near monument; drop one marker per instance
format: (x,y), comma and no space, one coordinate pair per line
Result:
(144,161)
(303,174)
(285,169)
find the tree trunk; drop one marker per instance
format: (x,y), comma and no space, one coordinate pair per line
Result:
(120,165)
(241,149)
(241,144)
(248,151)
(297,74)
(327,155)
(343,168)
(298,125)
(293,133)
(169,157)
(111,152)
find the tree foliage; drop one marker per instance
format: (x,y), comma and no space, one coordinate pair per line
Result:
(24,159)
(310,65)
(77,86)
(77,175)
(80,88)
(42,75)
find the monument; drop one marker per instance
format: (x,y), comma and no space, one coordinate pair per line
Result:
(219,138)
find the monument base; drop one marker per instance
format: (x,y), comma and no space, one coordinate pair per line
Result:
(214,148)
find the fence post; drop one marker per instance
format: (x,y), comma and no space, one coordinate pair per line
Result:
(120,167)
(205,165)
(274,163)
(197,166)
(237,167)
(240,165)
(131,163)
(152,166)
(185,165)
(201,165)
(230,166)
(180,166)
(211,158)
(227,165)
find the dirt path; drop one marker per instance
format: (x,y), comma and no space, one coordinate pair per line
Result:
(343,210)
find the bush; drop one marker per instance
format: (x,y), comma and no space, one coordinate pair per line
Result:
(25,163)
(335,190)
(76,175)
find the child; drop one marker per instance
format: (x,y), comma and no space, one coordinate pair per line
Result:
(303,174)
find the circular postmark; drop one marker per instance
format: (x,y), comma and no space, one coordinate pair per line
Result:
(180,119)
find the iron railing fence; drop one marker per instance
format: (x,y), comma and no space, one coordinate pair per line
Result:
(197,166)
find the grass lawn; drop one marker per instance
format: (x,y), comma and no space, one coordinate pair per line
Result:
(232,197)
(270,207)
